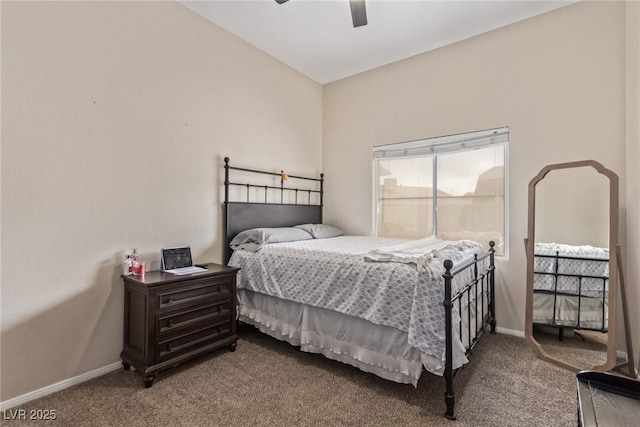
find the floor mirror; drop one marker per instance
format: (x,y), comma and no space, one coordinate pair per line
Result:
(573,266)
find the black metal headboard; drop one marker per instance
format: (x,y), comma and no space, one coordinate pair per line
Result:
(239,216)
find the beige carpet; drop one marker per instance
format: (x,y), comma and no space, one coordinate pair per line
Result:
(269,383)
(585,349)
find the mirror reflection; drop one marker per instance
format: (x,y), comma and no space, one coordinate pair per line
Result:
(570,310)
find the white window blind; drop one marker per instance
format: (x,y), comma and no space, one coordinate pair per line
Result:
(442,144)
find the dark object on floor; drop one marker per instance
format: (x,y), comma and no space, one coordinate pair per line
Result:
(606,399)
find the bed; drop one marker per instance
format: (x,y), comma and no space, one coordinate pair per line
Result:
(570,287)
(391,307)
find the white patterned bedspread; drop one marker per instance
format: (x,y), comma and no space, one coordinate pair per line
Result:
(332,274)
(589,286)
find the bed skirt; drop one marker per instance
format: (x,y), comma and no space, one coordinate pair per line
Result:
(378,349)
(566,311)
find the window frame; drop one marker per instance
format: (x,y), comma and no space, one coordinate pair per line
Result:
(438,146)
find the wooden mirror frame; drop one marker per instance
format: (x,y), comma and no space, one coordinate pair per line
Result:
(613,265)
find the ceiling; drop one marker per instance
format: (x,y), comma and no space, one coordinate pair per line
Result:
(317,38)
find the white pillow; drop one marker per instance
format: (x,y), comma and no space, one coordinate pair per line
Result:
(320,231)
(252,240)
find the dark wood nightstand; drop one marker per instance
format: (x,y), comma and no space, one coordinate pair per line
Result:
(169,319)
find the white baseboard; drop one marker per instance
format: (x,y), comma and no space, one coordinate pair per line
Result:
(511,332)
(59,386)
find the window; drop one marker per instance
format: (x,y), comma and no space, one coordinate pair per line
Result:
(453,187)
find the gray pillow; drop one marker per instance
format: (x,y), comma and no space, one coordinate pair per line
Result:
(320,231)
(252,240)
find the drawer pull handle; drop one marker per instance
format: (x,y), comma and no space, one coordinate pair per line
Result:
(171,300)
(170,347)
(171,323)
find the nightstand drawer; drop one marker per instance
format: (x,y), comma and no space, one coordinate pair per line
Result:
(196,294)
(183,343)
(177,321)
(169,319)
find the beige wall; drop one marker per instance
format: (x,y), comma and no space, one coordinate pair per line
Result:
(115,120)
(576,196)
(633,161)
(557,81)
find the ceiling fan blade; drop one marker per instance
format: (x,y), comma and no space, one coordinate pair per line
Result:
(358,12)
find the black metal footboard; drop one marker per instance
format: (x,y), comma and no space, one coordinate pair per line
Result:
(482,282)
(556,274)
